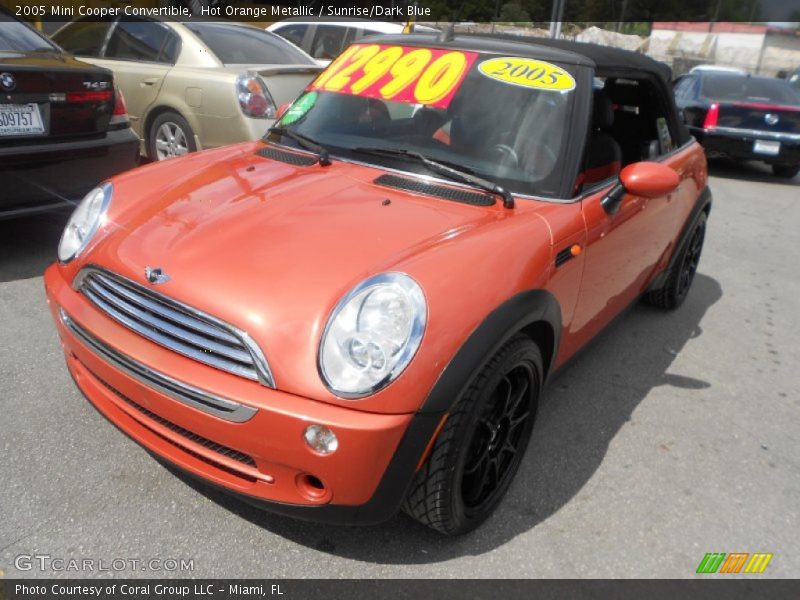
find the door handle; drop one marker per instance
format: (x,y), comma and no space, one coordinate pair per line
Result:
(150,81)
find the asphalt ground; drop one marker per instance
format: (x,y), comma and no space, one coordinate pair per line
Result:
(671,435)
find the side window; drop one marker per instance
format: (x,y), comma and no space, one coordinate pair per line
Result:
(328,41)
(82,38)
(171,48)
(684,90)
(680,89)
(358,33)
(694,89)
(137,40)
(641,126)
(293,33)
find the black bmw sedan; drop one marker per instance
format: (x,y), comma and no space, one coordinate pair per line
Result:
(742,116)
(63,125)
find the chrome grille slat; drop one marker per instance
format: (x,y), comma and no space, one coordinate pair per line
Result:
(169,342)
(148,319)
(174,325)
(155,306)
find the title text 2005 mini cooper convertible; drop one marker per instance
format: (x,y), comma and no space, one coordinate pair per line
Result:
(359,312)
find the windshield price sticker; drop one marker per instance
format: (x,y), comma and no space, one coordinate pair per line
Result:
(527,72)
(300,107)
(403,74)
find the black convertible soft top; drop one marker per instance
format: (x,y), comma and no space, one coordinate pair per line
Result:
(600,58)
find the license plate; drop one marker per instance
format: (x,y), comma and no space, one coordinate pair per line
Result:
(20,119)
(767,147)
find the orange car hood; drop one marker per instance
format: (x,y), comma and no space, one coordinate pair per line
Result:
(270,247)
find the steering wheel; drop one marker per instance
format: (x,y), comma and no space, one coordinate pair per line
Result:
(507,156)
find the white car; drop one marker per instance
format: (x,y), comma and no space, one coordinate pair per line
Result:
(324,40)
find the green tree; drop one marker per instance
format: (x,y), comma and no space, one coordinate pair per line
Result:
(512,12)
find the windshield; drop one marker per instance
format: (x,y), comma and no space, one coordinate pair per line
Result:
(234,44)
(504,119)
(16,37)
(748,89)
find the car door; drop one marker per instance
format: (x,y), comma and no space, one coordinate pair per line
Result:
(141,53)
(618,258)
(623,248)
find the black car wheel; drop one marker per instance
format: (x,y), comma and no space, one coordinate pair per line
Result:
(785,171)
(682,273)
(479,450)
(170,136)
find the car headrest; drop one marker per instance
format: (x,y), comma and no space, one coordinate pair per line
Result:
(602,111)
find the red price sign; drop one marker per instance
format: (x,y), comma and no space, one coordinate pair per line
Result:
(400,73)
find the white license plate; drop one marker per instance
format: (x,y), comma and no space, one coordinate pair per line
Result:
(20,119)
(766,147)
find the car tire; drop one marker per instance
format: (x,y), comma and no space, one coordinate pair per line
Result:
(681,275)
(480,447)
(785,171)
(170,136)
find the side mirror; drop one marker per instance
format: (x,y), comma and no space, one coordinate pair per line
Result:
(647,179)
(282,110)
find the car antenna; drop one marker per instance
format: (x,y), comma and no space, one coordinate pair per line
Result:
(449,32)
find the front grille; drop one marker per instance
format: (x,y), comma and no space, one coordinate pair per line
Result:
(435,189)
(173,325)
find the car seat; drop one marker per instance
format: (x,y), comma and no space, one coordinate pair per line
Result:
(603,154)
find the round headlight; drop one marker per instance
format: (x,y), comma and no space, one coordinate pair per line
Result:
(372,335)
(84,222)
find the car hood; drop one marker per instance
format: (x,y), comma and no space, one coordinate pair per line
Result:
(270,247)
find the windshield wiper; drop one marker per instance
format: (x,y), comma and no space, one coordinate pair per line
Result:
(443,169)
(306,142)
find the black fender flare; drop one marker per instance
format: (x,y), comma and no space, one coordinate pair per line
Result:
(511,317)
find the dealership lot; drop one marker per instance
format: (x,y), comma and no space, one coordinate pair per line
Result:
(672,435)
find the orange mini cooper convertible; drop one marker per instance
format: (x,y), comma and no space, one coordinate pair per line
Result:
(358,313)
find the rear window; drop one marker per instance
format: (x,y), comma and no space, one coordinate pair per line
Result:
(138,40)
(293,33)
(328,41)
(738,88)
(83,38)
(17,37)
(246,45)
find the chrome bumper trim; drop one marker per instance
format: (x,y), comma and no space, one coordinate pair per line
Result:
(177,390)
(757,133)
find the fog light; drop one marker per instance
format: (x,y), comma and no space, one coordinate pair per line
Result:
(321,439)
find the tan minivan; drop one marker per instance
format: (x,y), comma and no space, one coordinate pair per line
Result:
(191,85)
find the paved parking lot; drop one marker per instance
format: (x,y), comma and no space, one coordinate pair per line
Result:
(672,435)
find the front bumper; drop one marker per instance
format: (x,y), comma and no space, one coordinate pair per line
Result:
(263,459)
(48,176)
(740,143)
